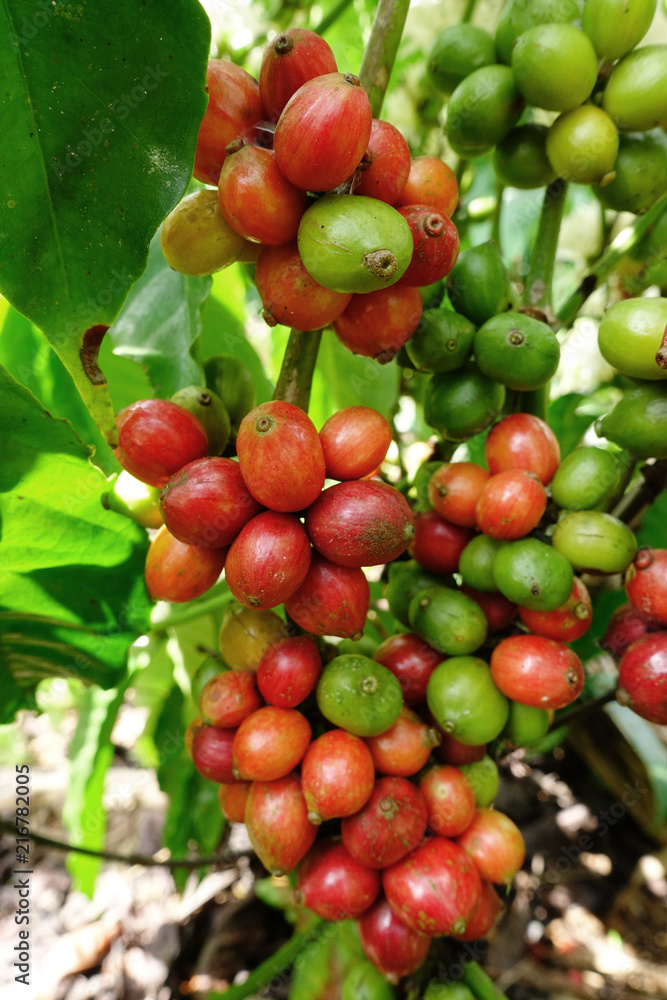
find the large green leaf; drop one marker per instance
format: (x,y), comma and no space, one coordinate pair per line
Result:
(160,322)
(90,753)
(72,594)
(102,104)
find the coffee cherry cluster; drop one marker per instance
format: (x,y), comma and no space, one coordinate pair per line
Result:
(410,846)
(344,226)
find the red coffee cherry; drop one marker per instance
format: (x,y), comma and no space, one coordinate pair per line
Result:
(537,671)
(290,296)
(270,743)
(211,751)
(377,324)
(178,572)
(436,246)
(355,441)
(451,751)
(454,489)
(291,59)
(276,818)
(337,775)
(289,671)
(256,200)
(642,678)
(363,523)
(323,132)
(435,889)
(411,661)
(404,748)
(485,915)
(522,441)
(498,610)
(431,182)
(233,109)
(389,164)
(233,798)
(495,844)
(626,625)
(268,560)
(510,505)
(332,600)
(449,798)
(646,584)
(437,545)
(156,438)
(391,823)
(393,948)
(207,503)
(567,623)
(280,456)
(228,698)
(333,884)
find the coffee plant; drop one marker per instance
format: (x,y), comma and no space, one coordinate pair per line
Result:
(332,439)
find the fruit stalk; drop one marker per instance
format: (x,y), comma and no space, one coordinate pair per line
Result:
(296,373)
(608,261)
(479,983)
(194,609)
(381,50)
(260,977)
(537,293)
(332,16)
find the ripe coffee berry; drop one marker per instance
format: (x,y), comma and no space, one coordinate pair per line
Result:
(334,885)
(156,438)
(354,441)
(178,572)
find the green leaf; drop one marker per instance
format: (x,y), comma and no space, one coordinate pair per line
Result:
(102,109)
(345,379)
(567,422)
(160,322)
(653,529)
(72,593)
(91,753)
(644,740)
(321,967)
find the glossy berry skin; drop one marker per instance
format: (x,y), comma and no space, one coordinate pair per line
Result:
(323,132)
(431,182)
(437,545)
(233,109)
(211,752)
(522,441)
(510,505)
(276,818)
(337,775)
(495,844)
(355,441)
(404,748)
(289,60)
(156,438)
(377,324)
(233,798)
(228,698)
(411,661)
(256,200)
(567,623)
(333,884)
(290,295)
(268,561)
(178,572)
(363,523)
(332,600)
(289,671)
(207,503)
(485,915)
(537,671)
(498,610)
(270,743)
(646,584)
(280,456)
(642,678)
(393,948)
(454,490)
(391,823)
(436,246)
(626,626)
(449,798)
(389,168)
(435,889)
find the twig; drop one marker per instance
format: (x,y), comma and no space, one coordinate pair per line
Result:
(537,293)
(479,983)
(296,373)
(381,50)
(332,16)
